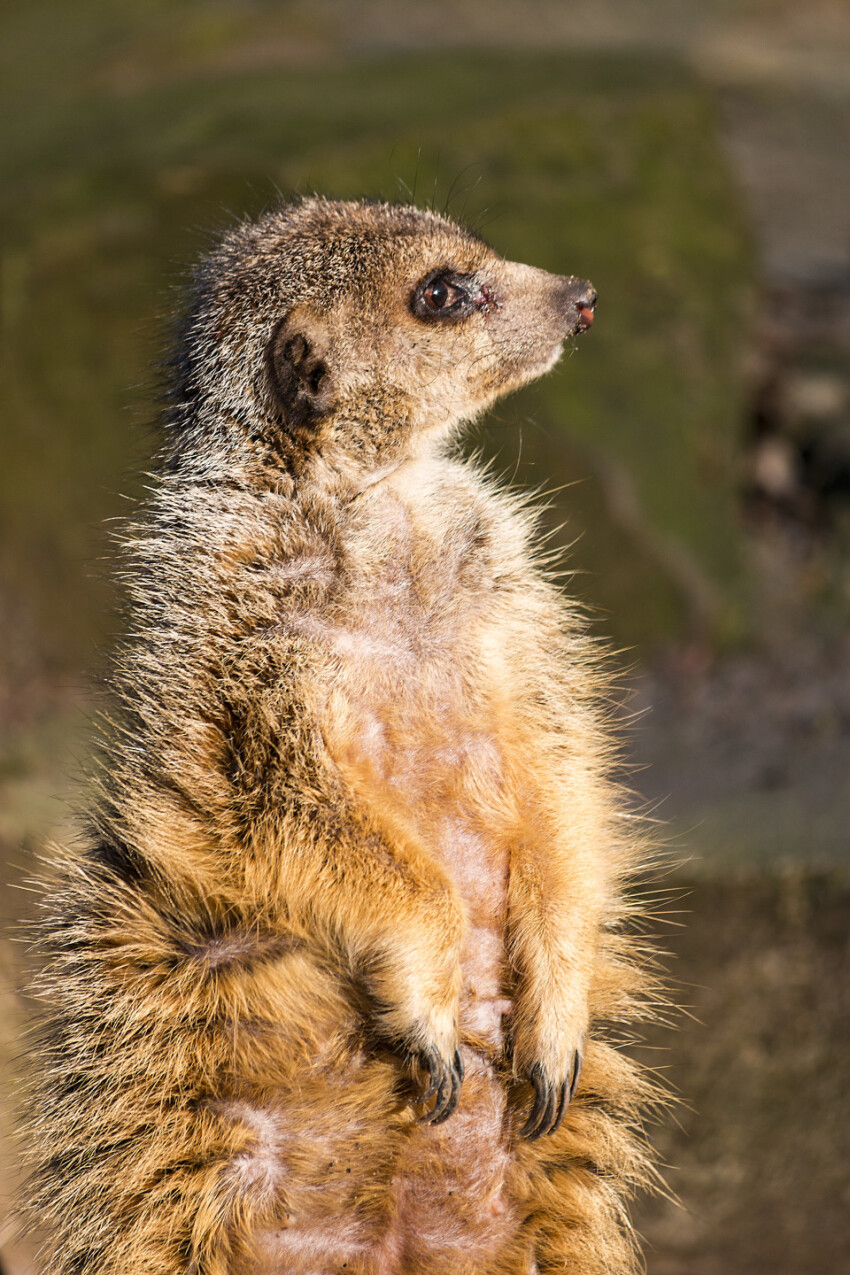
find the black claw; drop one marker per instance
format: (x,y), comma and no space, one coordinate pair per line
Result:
(531,1127)
(436,1111)
(444,1097)
(576,1075)
(563,1102)
(550,1101)
(429,1060)
(549,1113)
(445,1082)
(451,1100)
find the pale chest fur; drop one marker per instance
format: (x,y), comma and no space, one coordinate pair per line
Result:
(406,702)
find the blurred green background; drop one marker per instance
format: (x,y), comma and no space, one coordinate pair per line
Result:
(693,160)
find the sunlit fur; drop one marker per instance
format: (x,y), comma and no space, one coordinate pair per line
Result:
(353,804)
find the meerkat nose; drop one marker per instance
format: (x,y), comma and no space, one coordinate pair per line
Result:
(578,299)
(586,306)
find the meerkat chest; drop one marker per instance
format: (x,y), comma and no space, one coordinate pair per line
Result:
(405,630)
(402,654)
(405,706)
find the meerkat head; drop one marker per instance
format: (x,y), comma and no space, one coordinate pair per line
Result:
(358,331)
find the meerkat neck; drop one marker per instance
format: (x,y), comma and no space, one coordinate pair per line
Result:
(349,478)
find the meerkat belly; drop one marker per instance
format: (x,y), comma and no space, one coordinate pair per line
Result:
(477,861)
(417,751)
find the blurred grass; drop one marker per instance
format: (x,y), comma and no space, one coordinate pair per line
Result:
(131,133)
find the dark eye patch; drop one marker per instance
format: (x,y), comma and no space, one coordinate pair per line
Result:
(443,296)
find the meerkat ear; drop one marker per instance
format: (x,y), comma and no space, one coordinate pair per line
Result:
(300,376)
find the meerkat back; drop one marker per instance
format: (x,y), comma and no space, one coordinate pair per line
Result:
(328,975)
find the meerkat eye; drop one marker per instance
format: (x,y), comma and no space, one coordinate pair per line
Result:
(440,297)
(437,294)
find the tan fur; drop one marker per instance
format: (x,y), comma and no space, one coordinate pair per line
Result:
(354,809)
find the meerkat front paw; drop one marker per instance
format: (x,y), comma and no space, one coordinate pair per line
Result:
(548,1051)
(551,1099)
(416,1009)
(445,1080)
(434,1052)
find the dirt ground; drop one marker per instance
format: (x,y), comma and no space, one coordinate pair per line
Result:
(760,1144)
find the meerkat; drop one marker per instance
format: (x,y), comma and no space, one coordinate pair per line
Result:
(331,972)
